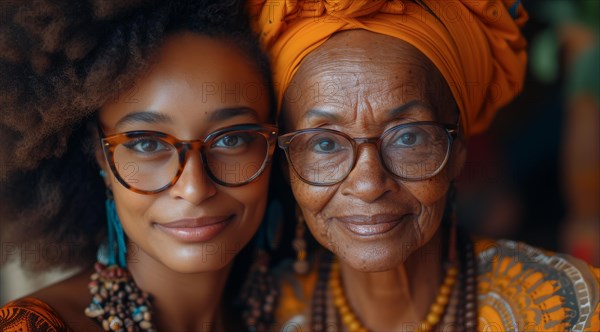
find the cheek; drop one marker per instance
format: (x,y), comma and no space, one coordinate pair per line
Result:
(312,201)
(132,208)
(431,191)
(431,195)
(252,197)
(311,198)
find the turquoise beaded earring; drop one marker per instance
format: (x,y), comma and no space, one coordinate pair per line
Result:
(116,248)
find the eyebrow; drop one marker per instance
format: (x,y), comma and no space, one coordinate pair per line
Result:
(145,116)
(316,113)
(226,113)
(393,113)
(152,117)
(402,109)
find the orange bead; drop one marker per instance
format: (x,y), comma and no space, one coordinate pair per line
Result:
(354,326)
(348,319)
(437,309)
(337,292)
(445,290)
(441,299)
(424,326)
(340,301)
(448,281)
(453,271)
(344,309)
(432,318)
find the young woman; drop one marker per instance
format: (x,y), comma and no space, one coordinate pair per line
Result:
(160,113)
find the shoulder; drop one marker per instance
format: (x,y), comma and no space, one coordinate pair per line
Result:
(522,287)
(295,294)
(30,314)
(62,302)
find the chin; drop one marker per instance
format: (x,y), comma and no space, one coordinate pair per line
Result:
(382,252)
(200,259)
(196,265)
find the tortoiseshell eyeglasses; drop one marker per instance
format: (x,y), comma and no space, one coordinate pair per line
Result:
(148,162)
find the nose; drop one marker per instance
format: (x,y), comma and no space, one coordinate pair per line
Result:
(368,180)
(194,185)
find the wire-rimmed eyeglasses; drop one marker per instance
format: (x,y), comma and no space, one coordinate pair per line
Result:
(410,151)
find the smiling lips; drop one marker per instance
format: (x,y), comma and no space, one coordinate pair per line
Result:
(371,225)
(197,229)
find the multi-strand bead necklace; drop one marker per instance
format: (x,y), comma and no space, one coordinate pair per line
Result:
(455,304)
(119,305)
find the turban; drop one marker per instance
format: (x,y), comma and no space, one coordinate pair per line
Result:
(476,45)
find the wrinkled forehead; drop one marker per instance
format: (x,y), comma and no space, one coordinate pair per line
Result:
(359,67)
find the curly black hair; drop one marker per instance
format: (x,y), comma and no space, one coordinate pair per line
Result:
(59,62)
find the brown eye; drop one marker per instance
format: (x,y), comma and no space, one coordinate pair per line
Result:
(232,141)
(147,145)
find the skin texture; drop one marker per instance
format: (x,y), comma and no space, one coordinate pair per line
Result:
(354,80)
(187,85)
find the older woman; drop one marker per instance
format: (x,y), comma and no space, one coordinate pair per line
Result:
(378,99)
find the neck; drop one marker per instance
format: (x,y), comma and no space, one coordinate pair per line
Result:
(181,301)
(403,294)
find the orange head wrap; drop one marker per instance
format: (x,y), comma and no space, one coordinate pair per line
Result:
(475,44)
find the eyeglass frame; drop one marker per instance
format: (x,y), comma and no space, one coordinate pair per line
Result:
(184,147)
(452,130)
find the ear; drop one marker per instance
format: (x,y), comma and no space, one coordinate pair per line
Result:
(458,157)
(100,158)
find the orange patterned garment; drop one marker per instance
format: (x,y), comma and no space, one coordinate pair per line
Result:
(30,314)
(520,288)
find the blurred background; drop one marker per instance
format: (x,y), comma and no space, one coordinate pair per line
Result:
(535,175)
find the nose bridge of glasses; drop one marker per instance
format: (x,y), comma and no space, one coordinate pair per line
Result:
(194,145)
(360,142)
(187,148)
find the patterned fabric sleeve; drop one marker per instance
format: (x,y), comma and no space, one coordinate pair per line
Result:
(30,314)
(524,288)
(520,288)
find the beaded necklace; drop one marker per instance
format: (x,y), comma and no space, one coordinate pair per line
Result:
(353,323)
(117,303)
(457,299)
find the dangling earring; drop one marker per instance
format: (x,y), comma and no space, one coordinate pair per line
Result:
(259,291)
(116,248)
(299,244)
